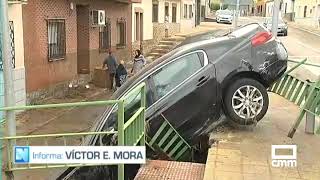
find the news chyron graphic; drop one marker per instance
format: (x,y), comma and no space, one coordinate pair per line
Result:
(79,154)
(288,159)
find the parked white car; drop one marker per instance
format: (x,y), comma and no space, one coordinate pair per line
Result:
(224,16)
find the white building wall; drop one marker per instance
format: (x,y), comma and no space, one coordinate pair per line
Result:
(269,9)
(312,13)
(162,10)
(187,23)
(146,5)
(15,15)
(289,6)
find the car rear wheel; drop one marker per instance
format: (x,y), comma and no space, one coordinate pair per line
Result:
(246,101)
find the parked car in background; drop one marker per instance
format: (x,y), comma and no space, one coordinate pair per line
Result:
(196,83)
(224,16)
(282,26)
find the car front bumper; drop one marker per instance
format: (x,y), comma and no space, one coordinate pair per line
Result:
(224,20)
(282,30)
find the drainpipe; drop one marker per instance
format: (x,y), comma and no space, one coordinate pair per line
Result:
(7,73)
(236,15)
(275,17)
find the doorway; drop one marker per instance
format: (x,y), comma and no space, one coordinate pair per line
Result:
(83,61)
(139,28)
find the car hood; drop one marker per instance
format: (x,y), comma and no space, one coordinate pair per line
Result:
(224,16)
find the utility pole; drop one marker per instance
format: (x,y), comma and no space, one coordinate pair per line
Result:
(275,18)
(7,72)
(235,25)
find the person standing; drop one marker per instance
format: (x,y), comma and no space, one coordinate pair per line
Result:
(166,23)
(138,62)
(111,63)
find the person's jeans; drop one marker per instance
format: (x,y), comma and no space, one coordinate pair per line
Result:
(112,81)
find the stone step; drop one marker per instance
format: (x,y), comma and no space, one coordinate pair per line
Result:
(150,58)
(165,46)
(166,42)
(156,54)
(160,50)
(175,38)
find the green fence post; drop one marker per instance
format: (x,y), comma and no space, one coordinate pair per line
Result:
(143,104)
(305,107)
(121,136)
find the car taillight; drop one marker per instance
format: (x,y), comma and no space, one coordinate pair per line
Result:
(261,38)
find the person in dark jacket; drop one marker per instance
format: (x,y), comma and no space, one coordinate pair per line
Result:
(121,74)
(111,63)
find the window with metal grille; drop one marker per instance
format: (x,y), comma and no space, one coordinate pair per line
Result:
(121,33)
(174,13)
(190,11)
(185,11)
(12,47)
(56,39)
(105,37)
(155,7)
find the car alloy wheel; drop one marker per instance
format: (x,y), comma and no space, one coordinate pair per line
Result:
(247,102)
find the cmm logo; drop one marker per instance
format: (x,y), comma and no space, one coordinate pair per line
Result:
(21,154)
(284,160)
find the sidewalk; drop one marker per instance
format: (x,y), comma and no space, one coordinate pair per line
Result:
(309,29)
(246,154)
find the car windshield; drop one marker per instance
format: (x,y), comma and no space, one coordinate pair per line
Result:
(225,13)
(269,21)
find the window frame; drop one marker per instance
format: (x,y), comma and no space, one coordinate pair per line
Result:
(151,79)
(166,13)
(107,26)
(174,15)
(190,11)
(185,11)
(63,38)
(149,82)
(120,22)
(305,11)
(155,15)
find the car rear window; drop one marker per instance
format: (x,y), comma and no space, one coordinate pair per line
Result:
(244,30)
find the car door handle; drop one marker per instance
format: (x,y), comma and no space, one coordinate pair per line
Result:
(202,80)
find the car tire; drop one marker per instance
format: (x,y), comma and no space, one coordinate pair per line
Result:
(286,33)
(237,102)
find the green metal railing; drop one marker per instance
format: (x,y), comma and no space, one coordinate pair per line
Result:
(302,93)
(129,133)
(168,141)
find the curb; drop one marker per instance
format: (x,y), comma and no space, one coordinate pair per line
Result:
(303,29)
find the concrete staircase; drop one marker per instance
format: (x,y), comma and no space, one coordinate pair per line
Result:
(164,46)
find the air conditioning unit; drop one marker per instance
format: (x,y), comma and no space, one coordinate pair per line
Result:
(98,18)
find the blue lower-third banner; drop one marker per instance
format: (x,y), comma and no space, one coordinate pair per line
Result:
(79,154)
